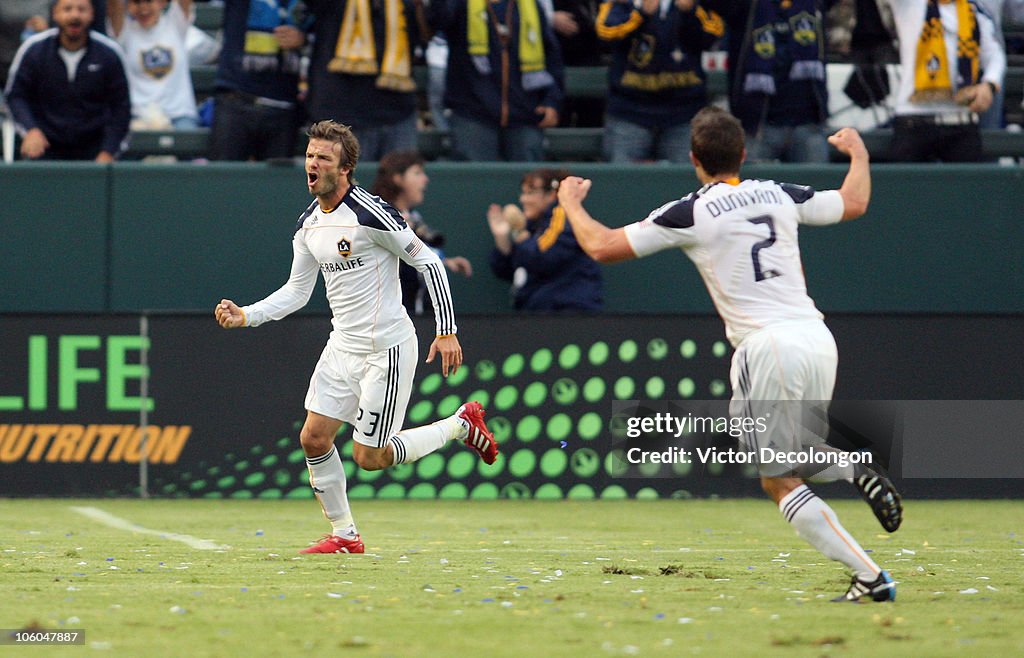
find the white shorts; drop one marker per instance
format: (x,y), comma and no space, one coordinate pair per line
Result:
(784,375)
(368,391)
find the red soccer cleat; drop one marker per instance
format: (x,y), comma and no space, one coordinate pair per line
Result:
(336,544)
(480,438)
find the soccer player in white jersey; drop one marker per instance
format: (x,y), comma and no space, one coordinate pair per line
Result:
(365,373)
(742,236)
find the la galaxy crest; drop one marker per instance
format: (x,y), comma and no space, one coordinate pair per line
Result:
(805,28)
(344,248)
(642,50)
(764,42)
(157,61)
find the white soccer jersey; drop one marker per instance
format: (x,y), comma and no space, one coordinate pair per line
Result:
(743,240)
(356,247)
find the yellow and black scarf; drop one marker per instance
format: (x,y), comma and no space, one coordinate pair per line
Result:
(532,63)
(932,77)
(356,50)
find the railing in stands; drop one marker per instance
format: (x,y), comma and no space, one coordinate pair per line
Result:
(560,144)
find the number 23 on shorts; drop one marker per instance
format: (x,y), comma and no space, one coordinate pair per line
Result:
(371,425)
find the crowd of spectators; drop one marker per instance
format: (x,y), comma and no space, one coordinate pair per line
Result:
(497,73)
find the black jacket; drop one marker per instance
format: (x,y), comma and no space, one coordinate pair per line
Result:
(95,107)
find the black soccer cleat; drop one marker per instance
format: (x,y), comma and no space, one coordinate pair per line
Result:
(883,498)
(880,590)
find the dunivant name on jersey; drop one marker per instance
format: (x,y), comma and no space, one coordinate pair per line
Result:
(741,199)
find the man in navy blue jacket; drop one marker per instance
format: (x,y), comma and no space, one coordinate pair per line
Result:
(656,81)
(505,77)
(67,90)
(777,75)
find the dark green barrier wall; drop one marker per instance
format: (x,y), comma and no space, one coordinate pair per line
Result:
(53,237)
(181,236)
(185,236)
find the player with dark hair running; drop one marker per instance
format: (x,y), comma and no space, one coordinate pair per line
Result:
(364,376)
(742,236)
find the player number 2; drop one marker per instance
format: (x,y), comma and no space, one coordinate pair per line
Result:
(759,274)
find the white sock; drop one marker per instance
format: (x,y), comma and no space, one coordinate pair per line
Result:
(327,477)
(412,444)
(815,521)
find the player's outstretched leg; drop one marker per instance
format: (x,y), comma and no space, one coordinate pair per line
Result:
(882,588)
(817,524)
(879,492)
(466,425)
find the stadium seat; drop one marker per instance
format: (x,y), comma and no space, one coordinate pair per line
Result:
(209,16)
(182,144)
(573,144)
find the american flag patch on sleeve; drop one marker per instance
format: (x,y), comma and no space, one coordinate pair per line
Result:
(414,246)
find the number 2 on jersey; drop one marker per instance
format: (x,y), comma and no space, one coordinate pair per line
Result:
(759,274)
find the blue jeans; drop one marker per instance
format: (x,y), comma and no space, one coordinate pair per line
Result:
(992,118)
(625,141)
(435,95)
(376,141)
(185,123)
(478,141)
(806,143)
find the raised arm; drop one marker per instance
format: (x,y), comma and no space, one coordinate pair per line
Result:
(115,16)
(856,189)
(603,244)
(186,8)
(618,20)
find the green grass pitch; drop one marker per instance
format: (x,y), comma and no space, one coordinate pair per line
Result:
(506,578)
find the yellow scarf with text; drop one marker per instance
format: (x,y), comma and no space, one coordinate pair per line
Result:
(933,78)
(531,43)
(356,50)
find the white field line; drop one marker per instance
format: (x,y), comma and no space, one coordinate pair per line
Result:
(109,519)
